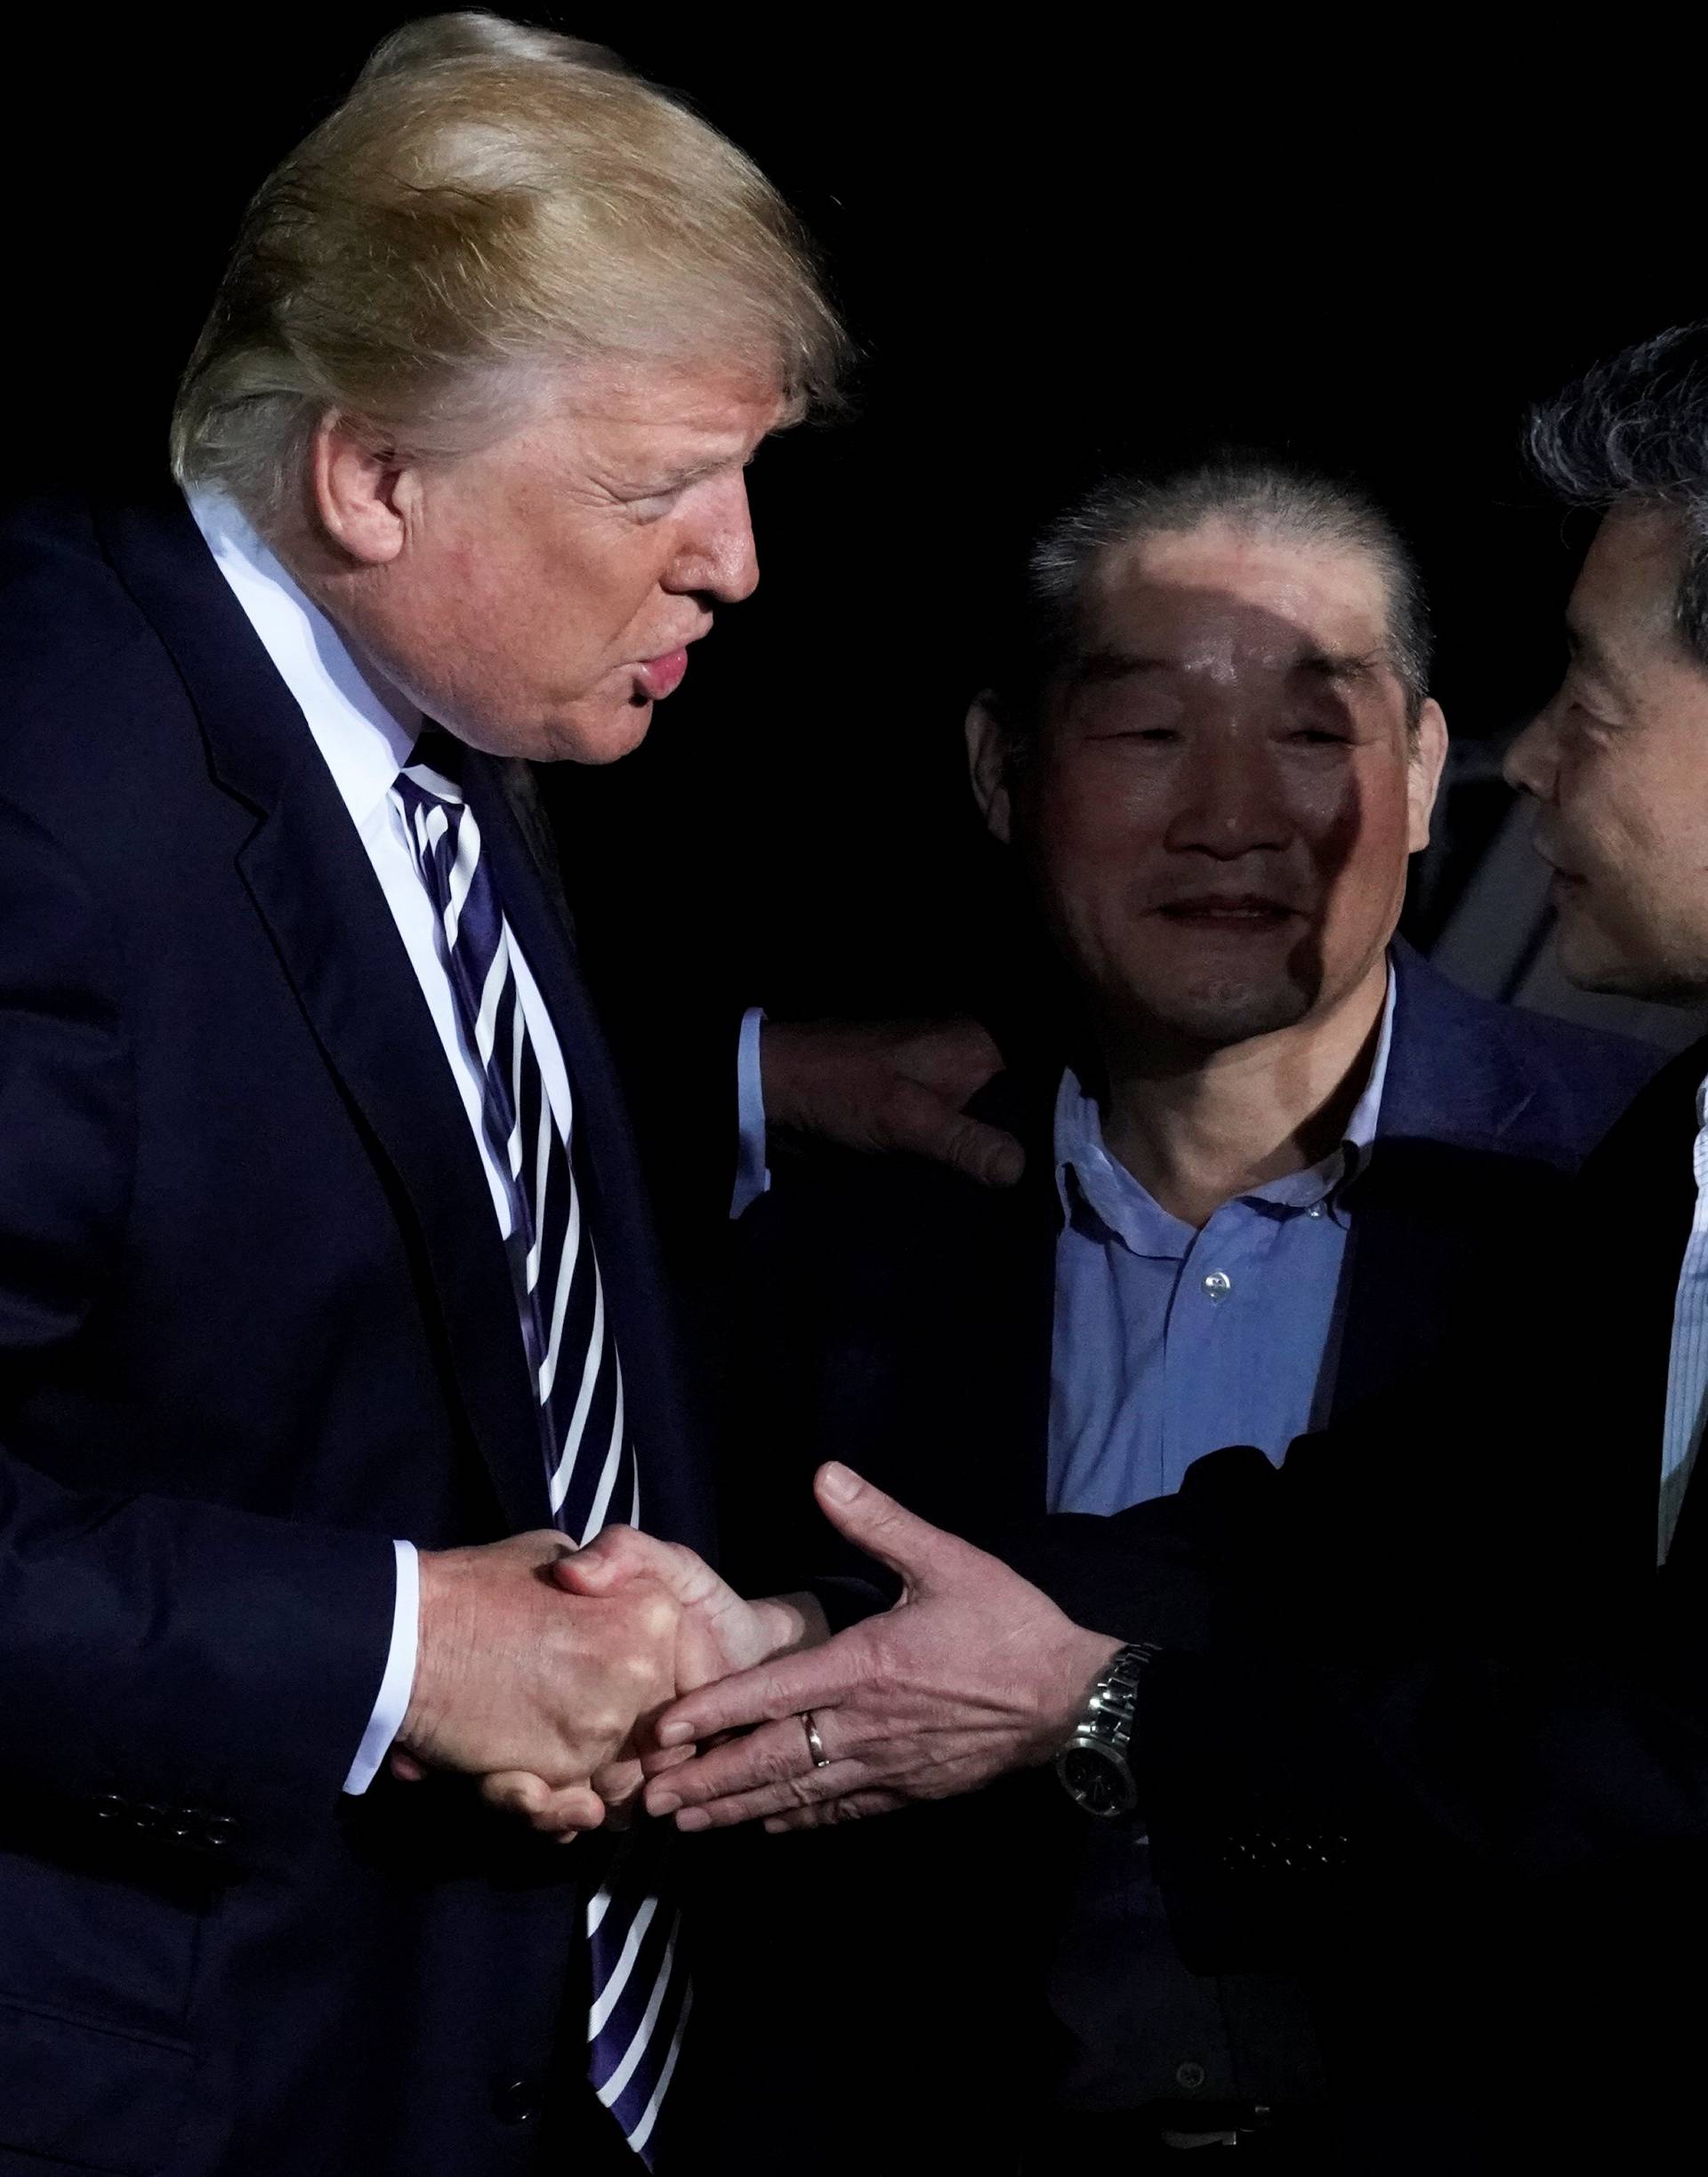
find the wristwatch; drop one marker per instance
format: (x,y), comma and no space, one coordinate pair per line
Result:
(1094,1766)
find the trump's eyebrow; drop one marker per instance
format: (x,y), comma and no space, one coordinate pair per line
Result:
(679,475)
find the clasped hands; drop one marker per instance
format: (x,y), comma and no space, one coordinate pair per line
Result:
(630,1695)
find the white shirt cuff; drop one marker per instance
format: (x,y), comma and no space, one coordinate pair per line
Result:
(399,1682)
(752,1177)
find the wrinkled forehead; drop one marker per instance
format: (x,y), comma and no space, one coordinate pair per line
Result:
(1225,605)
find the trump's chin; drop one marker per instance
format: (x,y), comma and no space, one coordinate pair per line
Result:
(606,733)
(592,732)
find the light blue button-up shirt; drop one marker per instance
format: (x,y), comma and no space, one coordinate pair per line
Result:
(1170,1343)
(1687,1376)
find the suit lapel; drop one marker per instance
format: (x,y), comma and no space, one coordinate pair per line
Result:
(1437,1173)
(1637,1199)
(1572,1332)
(989,1299)
(1008,1242)
(1031,1334)
(313,887)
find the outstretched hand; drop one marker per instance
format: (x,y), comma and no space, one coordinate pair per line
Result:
(973,1672)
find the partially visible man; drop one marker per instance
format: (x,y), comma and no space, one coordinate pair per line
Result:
(329,1310)
(1258,1189)
(1450,1749)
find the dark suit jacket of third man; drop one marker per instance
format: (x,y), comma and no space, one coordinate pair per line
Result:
(1450,1752)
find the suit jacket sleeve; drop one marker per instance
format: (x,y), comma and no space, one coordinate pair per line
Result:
(158,1655)
(1300,1808)
(1407,1694)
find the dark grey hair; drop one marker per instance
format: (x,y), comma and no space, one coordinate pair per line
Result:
(1253,490)
(1634,431)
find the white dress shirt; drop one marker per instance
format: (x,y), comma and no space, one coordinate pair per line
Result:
(752,1175)
(364,731)
(1687,1373)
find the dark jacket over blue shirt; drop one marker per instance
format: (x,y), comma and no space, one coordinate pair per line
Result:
(901,1321)
(901,1318)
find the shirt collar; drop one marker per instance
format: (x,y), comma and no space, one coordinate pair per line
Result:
(363,729)
(1085,1170)
(1367,1113)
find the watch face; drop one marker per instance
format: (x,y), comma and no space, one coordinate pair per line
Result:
(1096,1780)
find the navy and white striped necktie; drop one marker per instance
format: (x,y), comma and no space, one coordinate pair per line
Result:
(640,1995)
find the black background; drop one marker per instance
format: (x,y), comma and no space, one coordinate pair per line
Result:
(1058,244)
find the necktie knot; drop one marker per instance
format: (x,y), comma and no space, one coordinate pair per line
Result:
(439,751)
(432,776)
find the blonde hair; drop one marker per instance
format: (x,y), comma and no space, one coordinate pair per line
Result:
(488,202)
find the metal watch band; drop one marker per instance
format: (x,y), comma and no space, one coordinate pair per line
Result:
(1094,1766)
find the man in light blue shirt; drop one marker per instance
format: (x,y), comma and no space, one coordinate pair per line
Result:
(1448,1753)
(1155,1356)
(1277,1158)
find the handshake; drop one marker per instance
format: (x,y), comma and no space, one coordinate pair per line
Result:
(579,1684)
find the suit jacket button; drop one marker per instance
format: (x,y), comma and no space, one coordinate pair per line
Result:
(516,2100)
(110,1808)
(1191,2077)
(219,1829)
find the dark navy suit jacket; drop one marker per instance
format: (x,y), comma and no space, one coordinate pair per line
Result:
(901,1319)
(255,1322)
(1450,1751)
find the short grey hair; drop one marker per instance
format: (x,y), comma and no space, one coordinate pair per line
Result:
(1250,491)
(1634,431)
(489,202)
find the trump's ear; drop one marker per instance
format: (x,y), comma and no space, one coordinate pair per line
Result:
(355,489)
(987,762)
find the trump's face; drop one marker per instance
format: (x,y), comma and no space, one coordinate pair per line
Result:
(538,597)
(1225,794)
(1618,764)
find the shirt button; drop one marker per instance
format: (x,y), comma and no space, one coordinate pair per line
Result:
(516,2100)
(1316,1210)
(1218,1284)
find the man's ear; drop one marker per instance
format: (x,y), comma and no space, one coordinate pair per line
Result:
(988,755)
(1429,755)
(355,491)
